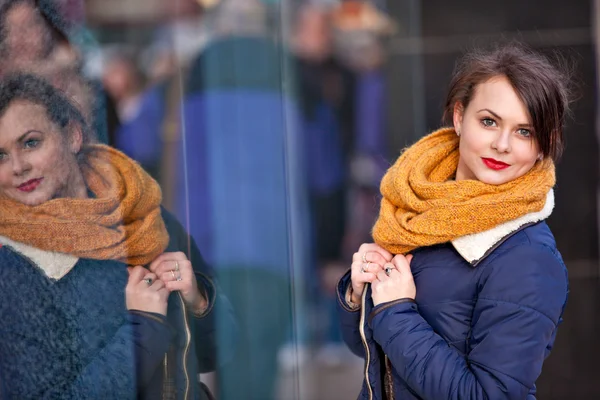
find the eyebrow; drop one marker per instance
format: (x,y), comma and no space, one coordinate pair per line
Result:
(24,135)
(500,118)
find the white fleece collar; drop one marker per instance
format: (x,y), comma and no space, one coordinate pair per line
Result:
(54,265)
(474,247)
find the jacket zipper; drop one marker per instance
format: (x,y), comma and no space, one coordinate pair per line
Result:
(166,377)
(187,347)
(364,341)
(389,379)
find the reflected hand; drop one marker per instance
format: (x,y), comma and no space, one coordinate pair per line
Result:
(144,292)
(177,273)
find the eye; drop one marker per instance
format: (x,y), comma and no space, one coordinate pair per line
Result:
(488,122)
(524,132)
(3,156)
(31,143)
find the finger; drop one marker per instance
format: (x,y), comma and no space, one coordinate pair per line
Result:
(148,279)
(173,286)
(376,258)
(157,285)
(401,263)
(409,258)
(137,273)
(172,256)
(394,273)
(166,266)
(365,278)
(360,268)
(373,247)
(179,266)
(382,276)
(171,276)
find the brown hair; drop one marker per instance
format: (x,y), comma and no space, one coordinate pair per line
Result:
(542,86)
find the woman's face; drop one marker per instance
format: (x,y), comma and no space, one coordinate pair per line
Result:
(37,161)
(496,143)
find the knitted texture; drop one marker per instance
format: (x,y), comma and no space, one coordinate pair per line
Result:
(123,222)
(423,205)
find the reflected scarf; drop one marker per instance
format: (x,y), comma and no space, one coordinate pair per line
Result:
(423,205)
(123,222)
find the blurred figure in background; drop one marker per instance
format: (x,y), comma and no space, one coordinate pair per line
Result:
(323,90)
(340,56)
(151,131)
(139,110)
(239,192)
(359,33)
(124,82)
(35,37)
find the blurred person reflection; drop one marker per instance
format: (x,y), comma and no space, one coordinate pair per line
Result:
(360,30)
(151,135)
(243,186)
(35,37)
(324,88)
(139,133)
(123,81)
(102,293)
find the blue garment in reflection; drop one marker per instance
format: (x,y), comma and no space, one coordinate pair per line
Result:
(240,190)
(140,138)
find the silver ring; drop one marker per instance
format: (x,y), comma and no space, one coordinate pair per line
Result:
(179,278)
(176,265)
(173,273)
(364,257)
(148,281)
(388,271)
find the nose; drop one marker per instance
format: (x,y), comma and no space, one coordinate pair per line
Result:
(20,165)
(501,142)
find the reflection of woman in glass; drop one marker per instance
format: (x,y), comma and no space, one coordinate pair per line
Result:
(75,323)
(467,287)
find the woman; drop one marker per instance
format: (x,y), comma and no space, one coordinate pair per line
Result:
(78,324)
(462,292)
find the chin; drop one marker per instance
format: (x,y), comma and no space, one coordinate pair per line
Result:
(494,177)
(31,199)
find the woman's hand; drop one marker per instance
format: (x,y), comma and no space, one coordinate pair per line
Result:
(144,292)
(395,281)
(177,273)
(366,264)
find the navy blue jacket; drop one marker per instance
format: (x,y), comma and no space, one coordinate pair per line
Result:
(72,338)
(477,330)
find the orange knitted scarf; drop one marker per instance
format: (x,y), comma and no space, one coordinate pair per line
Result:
(123,222)
(422,205)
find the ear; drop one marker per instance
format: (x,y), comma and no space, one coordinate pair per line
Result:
(457,116)
(76,138)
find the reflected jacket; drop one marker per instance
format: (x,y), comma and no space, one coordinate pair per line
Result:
(480,327)
(73,338)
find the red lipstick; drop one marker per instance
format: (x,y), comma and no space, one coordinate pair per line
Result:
(495,164)
(30,186)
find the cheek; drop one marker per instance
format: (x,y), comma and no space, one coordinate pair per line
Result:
(5,176)
(526,154)
(53,162)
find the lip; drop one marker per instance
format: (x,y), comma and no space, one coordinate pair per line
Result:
(30,185)
(494,164)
